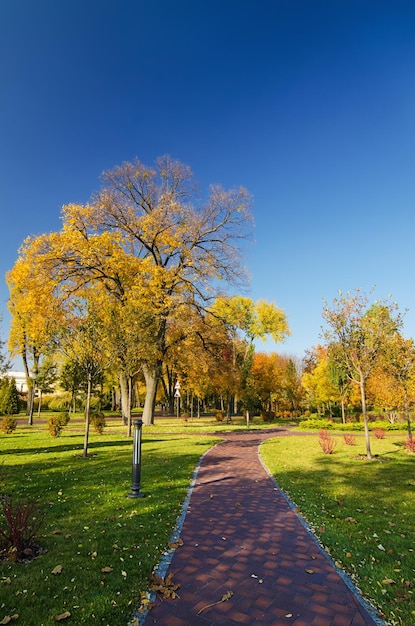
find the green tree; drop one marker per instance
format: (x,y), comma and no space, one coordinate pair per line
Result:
(70,379)
(82,341)
(46,379)
(9,397)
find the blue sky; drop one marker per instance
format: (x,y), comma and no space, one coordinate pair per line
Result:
(309,104)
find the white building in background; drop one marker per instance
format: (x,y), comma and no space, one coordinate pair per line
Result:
(20,378)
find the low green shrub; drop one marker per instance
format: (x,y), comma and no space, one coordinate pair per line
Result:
(57,402)
(8,424)
(98,423)
(56,423)
(316,424)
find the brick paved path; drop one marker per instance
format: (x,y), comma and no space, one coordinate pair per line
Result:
(241,535)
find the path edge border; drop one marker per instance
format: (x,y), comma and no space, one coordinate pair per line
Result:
(162,567)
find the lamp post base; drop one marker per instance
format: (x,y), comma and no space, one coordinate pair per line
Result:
(136,494)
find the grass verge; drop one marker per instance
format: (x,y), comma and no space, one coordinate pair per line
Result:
(103,544)
(362,511)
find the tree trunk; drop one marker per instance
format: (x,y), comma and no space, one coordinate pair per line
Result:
(39,404)
(87,411)
(151,377)
(367,435)
(113,399)
(408,417)
(343,412)
(125,399)
(130,391)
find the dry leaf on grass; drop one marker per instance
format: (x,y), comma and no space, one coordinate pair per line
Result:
(62,616)
(106,570)
(57,570)
(9,618)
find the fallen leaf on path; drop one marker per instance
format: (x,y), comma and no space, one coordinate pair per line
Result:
(165,588)
(226,596)
(173,545)
(146,605)
(310,571)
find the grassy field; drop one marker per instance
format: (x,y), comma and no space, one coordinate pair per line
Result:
(103,543)
(362,511)
(101,546)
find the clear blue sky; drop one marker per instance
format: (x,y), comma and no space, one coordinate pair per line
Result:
(309,104)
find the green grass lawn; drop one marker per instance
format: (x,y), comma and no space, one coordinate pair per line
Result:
(362,511)
(91,526)
(106,544)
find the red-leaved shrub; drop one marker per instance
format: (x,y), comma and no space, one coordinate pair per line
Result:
(20,525)
(410,444)
(349,439)
(379,433)
(326,442)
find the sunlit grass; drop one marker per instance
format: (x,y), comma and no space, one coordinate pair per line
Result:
(362,511)
(90,524)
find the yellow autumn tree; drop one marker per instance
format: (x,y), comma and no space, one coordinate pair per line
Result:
(150,248)
(35,314)
(320,389)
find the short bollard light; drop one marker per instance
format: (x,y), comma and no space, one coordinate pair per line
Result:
(136,486)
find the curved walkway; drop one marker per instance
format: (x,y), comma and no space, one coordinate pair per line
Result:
(240,535)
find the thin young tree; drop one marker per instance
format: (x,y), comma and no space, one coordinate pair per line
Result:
(400,363)
(357,334)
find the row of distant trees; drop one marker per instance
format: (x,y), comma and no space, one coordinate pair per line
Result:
(364,362)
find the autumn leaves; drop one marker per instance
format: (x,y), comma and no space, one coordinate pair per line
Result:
(128,283)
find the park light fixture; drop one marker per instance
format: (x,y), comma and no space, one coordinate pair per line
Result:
(136,479)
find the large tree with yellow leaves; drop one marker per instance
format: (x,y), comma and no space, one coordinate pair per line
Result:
(150,249)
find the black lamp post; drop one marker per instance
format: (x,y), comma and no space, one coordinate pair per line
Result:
(135,485)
